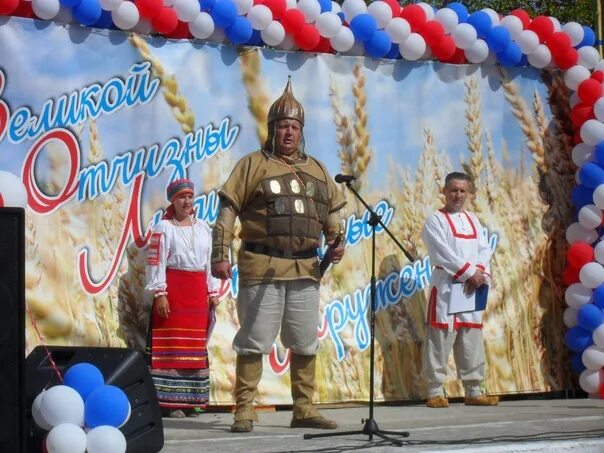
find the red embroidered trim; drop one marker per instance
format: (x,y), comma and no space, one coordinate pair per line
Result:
(153,249)
(460,272)
(432,312)
(474,235)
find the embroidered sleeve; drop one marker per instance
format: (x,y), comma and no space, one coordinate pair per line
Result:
(157,254)
(441,254)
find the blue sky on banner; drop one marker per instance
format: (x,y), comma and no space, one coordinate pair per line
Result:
(43,60)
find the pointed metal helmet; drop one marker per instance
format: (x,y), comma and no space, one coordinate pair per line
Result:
(286,106)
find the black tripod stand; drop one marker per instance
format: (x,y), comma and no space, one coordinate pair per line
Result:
(370,427)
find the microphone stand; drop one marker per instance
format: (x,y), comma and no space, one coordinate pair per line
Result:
(370,427)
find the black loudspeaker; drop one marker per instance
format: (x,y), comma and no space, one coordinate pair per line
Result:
(124,368)
(12,329)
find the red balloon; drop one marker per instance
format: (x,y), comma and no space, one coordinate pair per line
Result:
(433,32)
(598,75)
(581,113)
(149,9)
(293,20)
(523,16)
(324,46)
(543,26)
(24,10)
(8,7)
(570,275)
(181,31)
(307,38)
(579,254)
(415,15)
(601,388)
(459,57)
(589,91)
(577,137)
(567,59)
(258,2)
(445,49)
(394,6)
(558,41)
(166,21)
(277,7)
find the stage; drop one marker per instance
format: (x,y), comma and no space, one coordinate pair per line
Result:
(515,425)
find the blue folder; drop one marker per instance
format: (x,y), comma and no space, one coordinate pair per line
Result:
(481,296)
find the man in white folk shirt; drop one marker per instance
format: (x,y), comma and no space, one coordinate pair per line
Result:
(459,252)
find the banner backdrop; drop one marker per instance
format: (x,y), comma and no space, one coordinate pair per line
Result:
(99,122)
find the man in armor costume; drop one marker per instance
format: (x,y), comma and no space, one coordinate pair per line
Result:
(284,200)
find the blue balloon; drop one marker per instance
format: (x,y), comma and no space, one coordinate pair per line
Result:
(105,21)
(206,5)
(341,16)
(523,61)
(224,13)
(589,37)
(598,297)
(578,339)
(107,405)
(498,39)
(87,12)
(576,363)
(599,153)
(325,5)
(591,175)
(460,10)
(581,196)
(363,27)
(590,317)
(240,32)
(84,378)
(69,3)
(481,21)
(255,39)
(394,53)
(379,45)
(511,56)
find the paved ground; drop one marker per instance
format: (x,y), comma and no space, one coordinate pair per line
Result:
(524,425)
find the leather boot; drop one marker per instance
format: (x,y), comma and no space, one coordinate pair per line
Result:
(247,376)
(302,372)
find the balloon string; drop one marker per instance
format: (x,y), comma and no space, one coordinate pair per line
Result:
(53,365)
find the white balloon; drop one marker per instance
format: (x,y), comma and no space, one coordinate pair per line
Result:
(413,47)
(493,15)
(290,4)
(311,10)
(464,36)
(599,108)
(62,404)
(588,57)
(578,233)
(599,66)
(593,358)
(574,99)
(575,75)
(288,42)
(274,34)
(168,2)
(528,41)
(352,8)
(582,153)
(398,30)
(591,275)
(217,35)
(36,413)
(598,336)
(105,439)
(335,7)
(599,251)
(590,216)
(592,132)
(203,26)
(143,26)
(512,24)
(64,15)
(570,317)
(46,9)
(343,40)
(427,9)
(589,380)
(598,196)
(447,18)
(555,23)
(478,52)
(329,24)
(66,438)
(577,295)
(12,191)
(357,49)
(110,5)
(574,31)
(260,16)
(126,16)
(244,6)
(381,12)
(186,10)
(541,56)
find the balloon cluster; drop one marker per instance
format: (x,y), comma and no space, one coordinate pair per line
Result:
(383,29)
(83,414)
(12,191)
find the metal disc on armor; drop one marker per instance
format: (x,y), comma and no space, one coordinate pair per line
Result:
(299,206)
(280,205)
(310,189)
(275,186)
(294,185)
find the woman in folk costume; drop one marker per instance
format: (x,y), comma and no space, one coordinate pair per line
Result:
(178,273)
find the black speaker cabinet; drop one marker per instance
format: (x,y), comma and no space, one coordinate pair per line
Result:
(12,329)
(124,368)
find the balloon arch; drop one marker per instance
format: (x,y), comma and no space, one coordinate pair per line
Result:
(419,31)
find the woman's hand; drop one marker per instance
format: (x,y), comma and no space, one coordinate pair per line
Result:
(162,307)
(214,301)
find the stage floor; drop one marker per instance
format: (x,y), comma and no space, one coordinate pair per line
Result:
(552,425)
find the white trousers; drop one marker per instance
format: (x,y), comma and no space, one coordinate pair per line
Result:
(291,306)
(468,352)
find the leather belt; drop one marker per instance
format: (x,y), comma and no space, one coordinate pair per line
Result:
(278,253)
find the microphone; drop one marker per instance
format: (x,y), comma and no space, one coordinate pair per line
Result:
(344,178)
